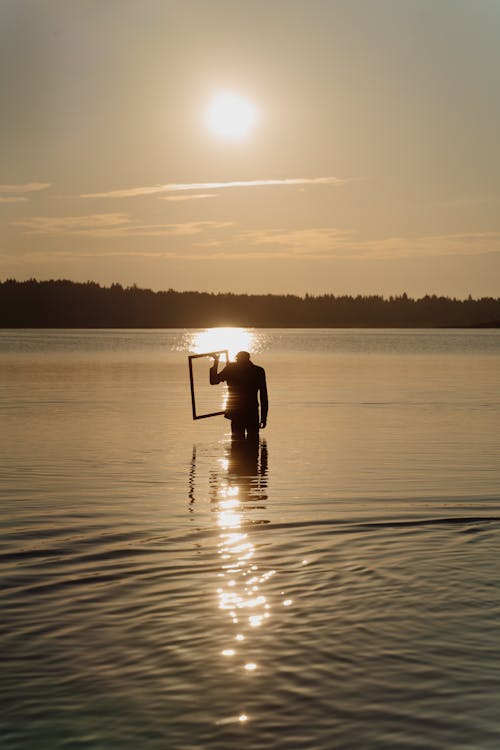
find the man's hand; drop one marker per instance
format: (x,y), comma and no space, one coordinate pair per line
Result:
(263,423)
(214,377)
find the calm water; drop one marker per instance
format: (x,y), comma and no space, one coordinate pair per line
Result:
(338,588)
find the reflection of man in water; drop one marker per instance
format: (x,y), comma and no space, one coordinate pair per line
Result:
(247,465)
(246,385)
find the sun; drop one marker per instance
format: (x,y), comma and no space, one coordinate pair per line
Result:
(214,339)
(231,116)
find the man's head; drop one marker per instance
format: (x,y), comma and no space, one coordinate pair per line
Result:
(243,357)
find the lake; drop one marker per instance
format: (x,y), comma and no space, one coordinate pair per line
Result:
(336,587)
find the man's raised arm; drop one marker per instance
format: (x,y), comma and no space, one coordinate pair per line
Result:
(215,377)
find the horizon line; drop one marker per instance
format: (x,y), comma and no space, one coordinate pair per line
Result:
(135,287)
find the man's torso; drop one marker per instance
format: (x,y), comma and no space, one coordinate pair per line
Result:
(243,383)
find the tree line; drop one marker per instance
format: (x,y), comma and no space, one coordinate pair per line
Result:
(68,304)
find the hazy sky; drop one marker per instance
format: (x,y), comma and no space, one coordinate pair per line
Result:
(373,164)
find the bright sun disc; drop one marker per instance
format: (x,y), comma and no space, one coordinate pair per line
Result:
(231,116)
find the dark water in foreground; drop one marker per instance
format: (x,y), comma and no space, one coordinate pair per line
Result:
(337,588)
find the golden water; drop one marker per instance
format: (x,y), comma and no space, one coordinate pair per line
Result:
(338,587)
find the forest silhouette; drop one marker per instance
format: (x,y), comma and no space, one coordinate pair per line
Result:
(68,304)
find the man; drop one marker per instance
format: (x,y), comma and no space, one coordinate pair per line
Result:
(246,385)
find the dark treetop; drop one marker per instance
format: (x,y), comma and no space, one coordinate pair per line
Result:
(67,304)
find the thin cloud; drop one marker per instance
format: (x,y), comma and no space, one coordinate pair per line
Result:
(12,199)
(113,225)
(323,243)
(331,244)
(299,241)
(175,187)
(208,244)
(195,197)
(224,250)
(426,246)
(71,224)
(29,187)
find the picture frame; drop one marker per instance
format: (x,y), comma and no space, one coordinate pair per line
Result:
(191,357)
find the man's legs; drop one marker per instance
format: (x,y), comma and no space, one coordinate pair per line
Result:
(246,426)
(237,429)
(252,428)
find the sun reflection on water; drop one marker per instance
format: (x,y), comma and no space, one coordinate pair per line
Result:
(244,594)
(233,339)
(241,593)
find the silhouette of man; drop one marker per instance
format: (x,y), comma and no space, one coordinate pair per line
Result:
(247,386)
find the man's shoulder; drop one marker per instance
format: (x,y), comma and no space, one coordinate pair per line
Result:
(258,370)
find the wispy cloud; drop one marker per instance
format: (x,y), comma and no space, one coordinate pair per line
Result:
(195,197)
(233,248)
(13,199)
(425,246)
(28,187)
(113,225)
(298,241)
(71,224)
(175,187)
(226,240)
(327,242)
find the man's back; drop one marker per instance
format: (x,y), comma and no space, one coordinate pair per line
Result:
(244,381)
(246,385)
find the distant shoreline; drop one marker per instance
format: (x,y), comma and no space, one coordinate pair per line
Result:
(34,327)
(72,305)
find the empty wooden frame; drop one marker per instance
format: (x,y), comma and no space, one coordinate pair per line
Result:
(191,380)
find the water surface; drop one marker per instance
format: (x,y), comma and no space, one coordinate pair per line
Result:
(338,587)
